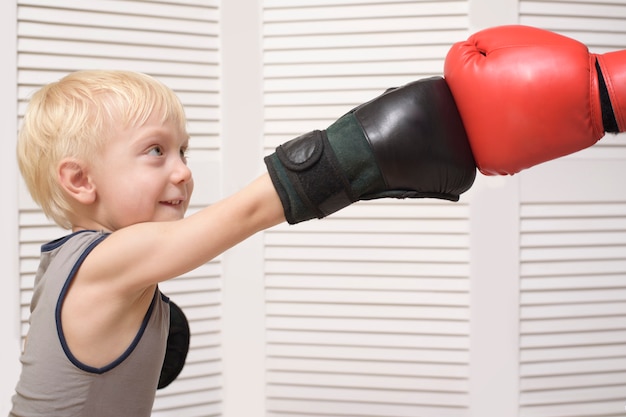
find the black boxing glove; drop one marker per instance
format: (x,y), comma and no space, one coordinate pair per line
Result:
(408,142)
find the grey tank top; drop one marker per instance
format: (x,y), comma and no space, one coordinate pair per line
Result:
(53,383)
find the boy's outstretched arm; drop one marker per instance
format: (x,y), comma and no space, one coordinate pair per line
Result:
(408,142)
(147,253)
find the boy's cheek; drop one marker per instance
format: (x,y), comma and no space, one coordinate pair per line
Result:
(190,187)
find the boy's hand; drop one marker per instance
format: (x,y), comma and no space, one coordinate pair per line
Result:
(407,143)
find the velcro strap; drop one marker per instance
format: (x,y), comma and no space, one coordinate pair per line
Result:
(315,173)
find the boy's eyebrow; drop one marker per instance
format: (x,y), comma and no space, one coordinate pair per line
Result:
(160,131)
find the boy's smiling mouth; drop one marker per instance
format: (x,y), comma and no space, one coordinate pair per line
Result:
(172,202)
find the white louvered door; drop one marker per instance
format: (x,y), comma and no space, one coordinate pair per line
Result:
(367,310)
(573,289)
(178,43)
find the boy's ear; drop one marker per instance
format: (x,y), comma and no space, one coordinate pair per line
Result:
(75,181)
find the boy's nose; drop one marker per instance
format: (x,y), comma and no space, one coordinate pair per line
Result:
(181,173)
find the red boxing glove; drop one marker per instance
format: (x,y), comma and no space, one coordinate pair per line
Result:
(527,96)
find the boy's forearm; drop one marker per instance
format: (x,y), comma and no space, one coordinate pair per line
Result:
(254,208)
(264,208)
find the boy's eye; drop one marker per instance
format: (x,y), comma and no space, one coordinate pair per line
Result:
(156,150)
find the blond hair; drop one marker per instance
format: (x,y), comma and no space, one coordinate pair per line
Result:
(74,117)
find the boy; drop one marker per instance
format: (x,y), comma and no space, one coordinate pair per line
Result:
(104,154)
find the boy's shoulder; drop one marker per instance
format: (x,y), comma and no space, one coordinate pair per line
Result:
(76,238)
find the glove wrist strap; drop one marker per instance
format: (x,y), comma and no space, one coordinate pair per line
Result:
(321,172)
(308,178)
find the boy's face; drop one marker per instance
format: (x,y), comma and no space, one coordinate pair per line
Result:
(142,175)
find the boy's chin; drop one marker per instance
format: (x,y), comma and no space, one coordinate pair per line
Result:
(170,213)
